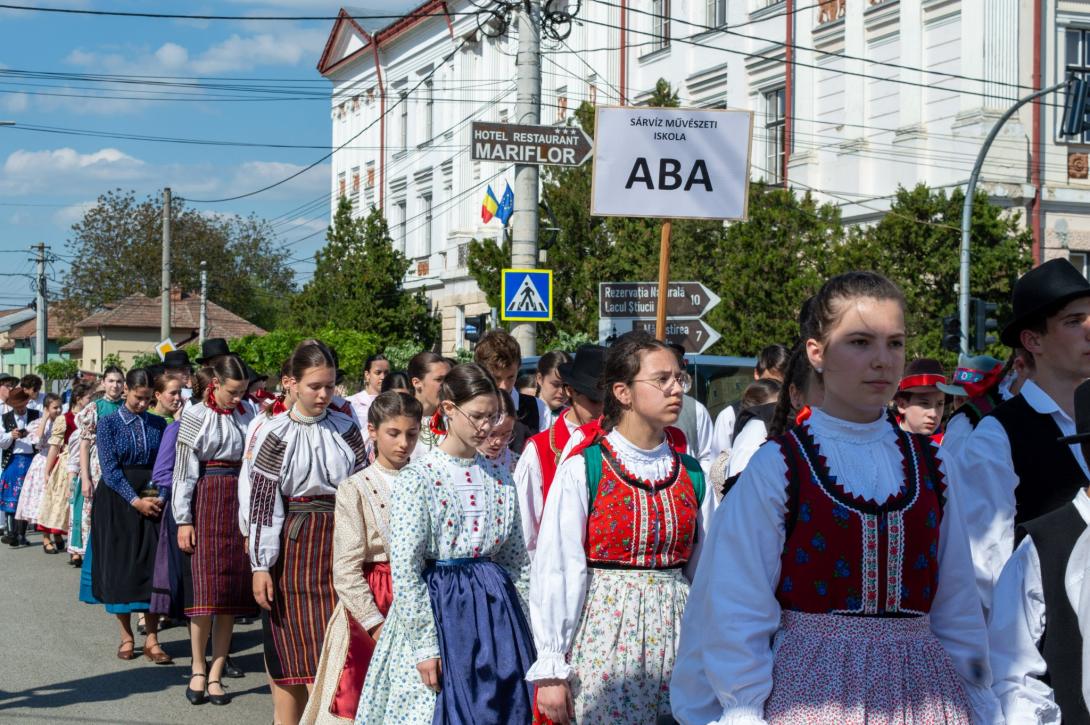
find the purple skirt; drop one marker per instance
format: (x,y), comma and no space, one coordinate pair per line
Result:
(171,580)
(485,644)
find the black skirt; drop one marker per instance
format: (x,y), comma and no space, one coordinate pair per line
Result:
(124,543)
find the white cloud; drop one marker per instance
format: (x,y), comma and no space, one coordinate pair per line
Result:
(72,213)
(172,55)
(26,172)
(14,102)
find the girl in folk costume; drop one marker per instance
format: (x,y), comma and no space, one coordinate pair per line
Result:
(281,404)
(30,498)
(495,447)
(301,457)
(919,402)
(18,454)
(542,455)
(375,370)
(456,645)
(126,509)
(90,472)
(63,466)
(426,372)
(361,568)
(834,586)
(550,384)
(620,537)
(168,394)
(208,453)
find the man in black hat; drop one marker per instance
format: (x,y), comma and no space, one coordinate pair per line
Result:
(1013,468)
(7,382)
(1035,631)
(536,468)
(211,349)
(177,361)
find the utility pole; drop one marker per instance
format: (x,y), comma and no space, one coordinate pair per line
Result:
(204,303)
(527,111)
(164,320)
(41,330)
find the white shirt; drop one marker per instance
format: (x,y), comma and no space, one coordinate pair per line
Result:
(958,430)
(986,473)
(530,484)
(704,445)
(723,431)
(1018,623)
(749,439)
(558,576)
(204,435)
(723,671)
(21,445)
(361,405)
(543,415)
(252,429)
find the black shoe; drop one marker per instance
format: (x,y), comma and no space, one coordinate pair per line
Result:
(218,699)
(195,697)
(230,670)
(22,542)
(6,538)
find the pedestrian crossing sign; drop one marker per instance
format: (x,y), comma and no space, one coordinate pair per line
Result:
(527,295)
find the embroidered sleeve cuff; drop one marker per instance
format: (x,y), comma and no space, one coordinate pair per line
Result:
(373,621)
(742,716)
(259,568)
(425,653)
(182,519)
(549,666)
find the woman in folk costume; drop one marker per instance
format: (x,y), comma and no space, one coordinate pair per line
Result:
(30,498)
(90,472)
(426,372)
(126,509)
(835,585)
(208,453)
(620,536)
(456,645)
(361,560)
(496,447)
(18,454)
(63,467)
(301,458)
(540,458)
(375,370)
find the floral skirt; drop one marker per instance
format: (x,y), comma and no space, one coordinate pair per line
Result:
(831,668)
(30,497)
(623,652)
(53,516)
(12,480)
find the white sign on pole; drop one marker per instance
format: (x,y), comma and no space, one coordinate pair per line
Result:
(671,163)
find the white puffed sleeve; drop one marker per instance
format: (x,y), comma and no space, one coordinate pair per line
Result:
(410,542)
(723,670)
(1014,632)
(267,511)
(558,576)
(529,483)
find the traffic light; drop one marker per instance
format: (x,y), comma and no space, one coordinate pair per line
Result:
(475,327)
(951,333)
(984,322)
(1076,107)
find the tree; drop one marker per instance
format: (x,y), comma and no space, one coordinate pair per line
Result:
(58,369)
(118,242)
(358,284)
(146,359)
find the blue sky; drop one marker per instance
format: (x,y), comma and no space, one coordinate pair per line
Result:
(48,179)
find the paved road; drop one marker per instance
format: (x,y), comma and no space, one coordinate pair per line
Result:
(58,660)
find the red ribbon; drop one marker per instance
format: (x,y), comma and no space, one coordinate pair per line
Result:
(986,383)
(804,415)
(278,405)
(925,380)
(433,425)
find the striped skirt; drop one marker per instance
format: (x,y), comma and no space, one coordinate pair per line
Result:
(305,598)
(220,567)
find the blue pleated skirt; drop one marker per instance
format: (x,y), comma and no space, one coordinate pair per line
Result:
(485,644)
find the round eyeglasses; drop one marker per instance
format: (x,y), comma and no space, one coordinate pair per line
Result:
(666,381)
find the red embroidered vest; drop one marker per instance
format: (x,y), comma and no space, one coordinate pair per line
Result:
(845,555)
(635,524)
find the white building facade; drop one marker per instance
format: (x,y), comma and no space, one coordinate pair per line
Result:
(852,98)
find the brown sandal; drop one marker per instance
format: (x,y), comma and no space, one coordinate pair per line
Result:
(127,650)
(156,655)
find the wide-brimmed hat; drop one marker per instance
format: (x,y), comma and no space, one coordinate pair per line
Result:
(972,371)
(213,347)
(583,372)
(177,360)
(922,375)
(6,379)
(1056,282)
(18,397)
(1082,415)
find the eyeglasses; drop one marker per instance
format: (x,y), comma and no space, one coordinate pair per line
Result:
(503,439)
(479,420)
(666,380)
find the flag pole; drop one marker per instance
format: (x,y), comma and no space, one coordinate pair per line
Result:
(664,279)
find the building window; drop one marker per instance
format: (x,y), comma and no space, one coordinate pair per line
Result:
(1076,57)
(561,104)
(342,191)
(1081,260)
(716,13)
(660,24)
(775,102)
(425,210)
(429,110)
(399,225)
(355,198)
(592,89)
(369,185)
(403,102)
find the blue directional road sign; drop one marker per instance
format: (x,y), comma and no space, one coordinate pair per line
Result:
(527,295)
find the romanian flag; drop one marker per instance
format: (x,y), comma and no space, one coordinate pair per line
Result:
(489,206)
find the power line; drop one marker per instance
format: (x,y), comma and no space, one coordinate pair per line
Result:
(182,16)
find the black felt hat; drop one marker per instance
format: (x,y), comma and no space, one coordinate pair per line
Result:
(213,347)
(177,360)
(1056,282)
(1082,415)
(583,372)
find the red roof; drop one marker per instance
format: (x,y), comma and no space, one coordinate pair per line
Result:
(141,311)
(429,8)
(56,328)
